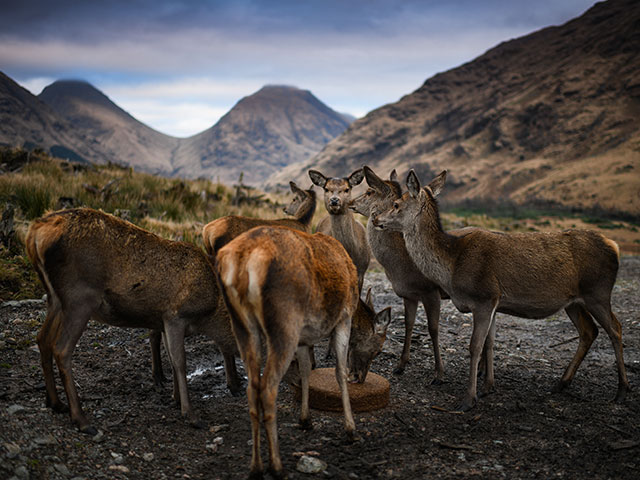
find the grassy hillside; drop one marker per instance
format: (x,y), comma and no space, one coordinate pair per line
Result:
(34,183)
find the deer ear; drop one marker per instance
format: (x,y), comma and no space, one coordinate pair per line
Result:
(382,321)
(393,176)
(356,177)
(317,178)
(367,299)
(373,180)
(437,184)
(294,188)
(413,184)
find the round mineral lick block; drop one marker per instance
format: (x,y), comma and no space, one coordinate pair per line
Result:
(324,392)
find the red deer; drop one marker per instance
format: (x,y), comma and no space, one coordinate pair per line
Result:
(406,280)
(529,275)
(287,289)
(94,265)
(340,223)
(222,230)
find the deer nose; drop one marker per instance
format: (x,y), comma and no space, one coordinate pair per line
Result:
(333,201)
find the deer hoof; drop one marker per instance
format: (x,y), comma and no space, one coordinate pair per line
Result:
(306,424)
(559,386)
(466,405)
(89,430)
(622,394)
(197,424)
(398,370)
(277,474)
(437,381)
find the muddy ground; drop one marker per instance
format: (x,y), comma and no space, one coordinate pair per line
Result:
(521,431)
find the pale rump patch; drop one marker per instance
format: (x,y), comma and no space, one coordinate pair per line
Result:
(214,230)
(614,246)
(256,269)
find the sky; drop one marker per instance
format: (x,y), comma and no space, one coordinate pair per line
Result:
(179,65)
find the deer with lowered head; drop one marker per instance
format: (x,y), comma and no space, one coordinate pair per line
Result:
(94,265)
(406,280)
(288,289)
(529,275)
(221,231)
(340,223)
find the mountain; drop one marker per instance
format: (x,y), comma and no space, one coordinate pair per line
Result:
(550,118)
(118,136)
(25,121)
(261,134)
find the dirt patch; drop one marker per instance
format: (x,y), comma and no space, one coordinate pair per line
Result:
(521,431)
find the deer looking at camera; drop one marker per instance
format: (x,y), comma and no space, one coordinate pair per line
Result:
(529,275)
(287,289)
(340,223)
(94,265)
(221,231)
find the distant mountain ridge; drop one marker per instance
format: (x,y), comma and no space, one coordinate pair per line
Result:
(114,132)
(552,117)
(262,133)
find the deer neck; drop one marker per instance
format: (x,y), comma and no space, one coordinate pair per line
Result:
(305,214)
(431,248)
(343,231)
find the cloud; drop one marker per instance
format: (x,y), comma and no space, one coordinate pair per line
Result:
(354,56)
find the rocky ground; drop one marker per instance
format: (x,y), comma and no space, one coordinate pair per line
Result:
(521,431)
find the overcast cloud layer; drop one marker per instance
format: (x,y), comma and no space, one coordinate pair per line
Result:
(180,65)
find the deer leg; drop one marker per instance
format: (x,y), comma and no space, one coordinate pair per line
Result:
(588,332)
(340,342)
(487,359)
(431,304)
(45,344)
(410,309)
(601,311)
(155,338)
(275,367)
(174,337)
(304,366)
(175,391)
(482,316)
(231,373)
(68,331)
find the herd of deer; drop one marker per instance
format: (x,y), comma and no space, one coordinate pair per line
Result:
(270,287)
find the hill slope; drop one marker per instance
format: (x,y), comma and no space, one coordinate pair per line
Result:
(274,127)
(25,121)
(550,117)
(117,135)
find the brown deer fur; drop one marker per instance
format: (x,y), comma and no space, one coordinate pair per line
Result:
(340,223)
(406,280)
(221,231)
(94,265)
(288,290)
(530,275)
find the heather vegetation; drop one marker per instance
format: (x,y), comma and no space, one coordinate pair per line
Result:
(34,183)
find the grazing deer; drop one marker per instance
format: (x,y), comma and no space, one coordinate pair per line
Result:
(221,231)
(94,265)
(406,280)
(530,275)
(287,289)
(340,223)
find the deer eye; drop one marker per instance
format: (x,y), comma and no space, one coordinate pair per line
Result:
(395,205)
